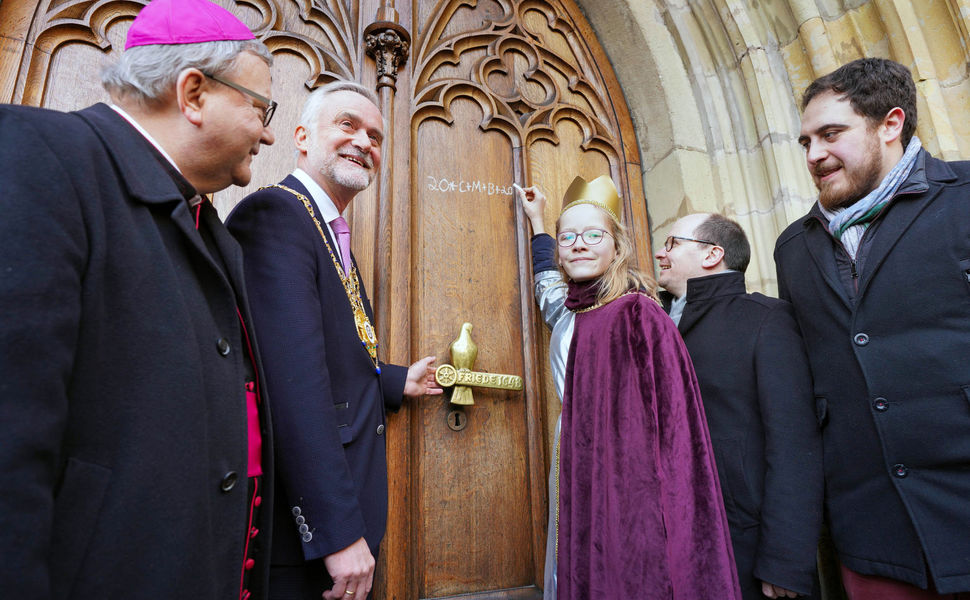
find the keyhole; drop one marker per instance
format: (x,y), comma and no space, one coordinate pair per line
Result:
(457,420)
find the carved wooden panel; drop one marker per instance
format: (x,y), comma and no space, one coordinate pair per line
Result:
(526,67)
(499,91)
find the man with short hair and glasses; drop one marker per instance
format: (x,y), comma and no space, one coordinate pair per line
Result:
(136,447)
(757,393)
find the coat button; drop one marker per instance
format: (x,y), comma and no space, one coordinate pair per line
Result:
(223,346)
(880,404)
(257,500)
(300,520)
(296,511)
(253,532)
(900,471)
(861,339)
(250,563)
(229,481)
(380,429)
(304,529)
(307,537)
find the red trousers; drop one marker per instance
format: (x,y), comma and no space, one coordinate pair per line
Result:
(873,587)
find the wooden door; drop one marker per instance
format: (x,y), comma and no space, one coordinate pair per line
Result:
(487,92)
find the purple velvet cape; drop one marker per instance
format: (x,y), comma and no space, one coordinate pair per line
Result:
(640,508)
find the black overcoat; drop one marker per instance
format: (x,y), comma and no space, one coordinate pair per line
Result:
(892,381)
(757,392)
(330,401)
(120,418)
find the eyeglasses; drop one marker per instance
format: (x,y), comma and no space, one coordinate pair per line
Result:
(591,237)
(669,244)
(267,111)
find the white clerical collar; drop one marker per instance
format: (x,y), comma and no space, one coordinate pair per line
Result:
(328,210)
(145,133)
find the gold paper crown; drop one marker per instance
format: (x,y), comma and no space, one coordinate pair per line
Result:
(600,192)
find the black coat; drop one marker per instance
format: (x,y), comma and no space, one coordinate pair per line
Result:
(892,381)
(119,416)
(757,392)
(329,412)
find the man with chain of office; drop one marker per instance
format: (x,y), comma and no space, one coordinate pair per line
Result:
(316,332)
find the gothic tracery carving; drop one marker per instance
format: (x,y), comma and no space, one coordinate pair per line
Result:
(526,74)
(323,33)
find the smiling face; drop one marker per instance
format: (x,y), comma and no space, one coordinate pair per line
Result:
(343,152)
(686,258)
(843,149)
(238,123)
(582,261)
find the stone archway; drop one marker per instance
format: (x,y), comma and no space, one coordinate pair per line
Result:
(713,89)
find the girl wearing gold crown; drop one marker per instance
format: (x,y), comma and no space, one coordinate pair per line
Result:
(639,511)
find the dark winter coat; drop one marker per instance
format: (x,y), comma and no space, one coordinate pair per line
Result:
(892,381)
(123,419)
(757,392)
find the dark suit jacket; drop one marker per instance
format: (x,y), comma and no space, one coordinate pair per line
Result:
(119,416)
(757,392)
(892,381)
(329,412)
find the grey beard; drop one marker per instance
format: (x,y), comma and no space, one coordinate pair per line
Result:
(346,176)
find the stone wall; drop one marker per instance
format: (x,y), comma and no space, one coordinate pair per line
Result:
(714,85)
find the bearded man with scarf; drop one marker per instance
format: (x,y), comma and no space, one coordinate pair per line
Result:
(878,274)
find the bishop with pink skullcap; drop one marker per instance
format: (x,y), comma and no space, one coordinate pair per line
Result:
(185,22)
(135,428)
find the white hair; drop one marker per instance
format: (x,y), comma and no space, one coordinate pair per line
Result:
(310,116)
(148,73)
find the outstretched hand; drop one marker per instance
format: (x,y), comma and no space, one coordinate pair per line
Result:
(420,381)
(534,205)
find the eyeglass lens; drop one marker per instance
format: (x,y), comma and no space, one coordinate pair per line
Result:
(268,112)
(671,240)
(590,237)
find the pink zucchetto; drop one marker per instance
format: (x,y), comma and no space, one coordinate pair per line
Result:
(185,22)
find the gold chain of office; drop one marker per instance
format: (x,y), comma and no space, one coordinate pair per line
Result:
(351,283)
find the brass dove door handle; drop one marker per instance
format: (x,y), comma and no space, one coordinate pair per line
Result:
(464,351)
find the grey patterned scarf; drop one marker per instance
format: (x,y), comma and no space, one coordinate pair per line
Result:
(848,224)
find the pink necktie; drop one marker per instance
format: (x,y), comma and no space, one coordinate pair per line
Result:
(342,231)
